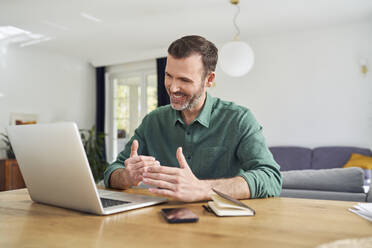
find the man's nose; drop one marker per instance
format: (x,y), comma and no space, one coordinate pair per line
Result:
(174,86)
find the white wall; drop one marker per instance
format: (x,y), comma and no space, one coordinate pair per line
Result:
(306,87)
(56,87)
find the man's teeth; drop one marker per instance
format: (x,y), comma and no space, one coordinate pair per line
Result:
(178,96)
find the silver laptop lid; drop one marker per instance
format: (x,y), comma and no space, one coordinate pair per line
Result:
(54,165)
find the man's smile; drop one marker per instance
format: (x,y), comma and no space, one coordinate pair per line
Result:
(178,97)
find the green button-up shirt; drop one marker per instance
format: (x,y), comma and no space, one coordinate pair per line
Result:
(224,141)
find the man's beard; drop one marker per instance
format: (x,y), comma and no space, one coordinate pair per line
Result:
(190,103)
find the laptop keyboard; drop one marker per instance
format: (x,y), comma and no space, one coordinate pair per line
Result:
(110,202)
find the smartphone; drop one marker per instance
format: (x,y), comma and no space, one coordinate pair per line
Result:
(179,215)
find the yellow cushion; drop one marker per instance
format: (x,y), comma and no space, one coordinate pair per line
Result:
(359,160)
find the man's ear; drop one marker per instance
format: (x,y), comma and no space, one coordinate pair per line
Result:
(210,79)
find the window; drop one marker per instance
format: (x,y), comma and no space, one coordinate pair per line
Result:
(133,94)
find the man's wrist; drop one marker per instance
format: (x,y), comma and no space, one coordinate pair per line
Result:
(207,189)
(118,179)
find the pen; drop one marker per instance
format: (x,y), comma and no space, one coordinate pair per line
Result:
(208,209)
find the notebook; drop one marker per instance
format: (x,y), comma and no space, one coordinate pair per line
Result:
(56,171)
(224,205)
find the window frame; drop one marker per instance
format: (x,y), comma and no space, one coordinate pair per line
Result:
(113,73)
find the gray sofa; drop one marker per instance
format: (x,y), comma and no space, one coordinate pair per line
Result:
(318,174)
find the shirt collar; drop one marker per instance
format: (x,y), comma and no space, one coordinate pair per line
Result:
(177,117)
(204,116)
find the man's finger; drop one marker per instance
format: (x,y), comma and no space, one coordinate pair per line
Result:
(133,160)
(136,166)
(164,170)
(145,163)
(181,159)
(163,177)
(134,148)
(159,183)
(163,192)
(146,158)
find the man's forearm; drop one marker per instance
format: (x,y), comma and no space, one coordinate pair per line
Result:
(235,187)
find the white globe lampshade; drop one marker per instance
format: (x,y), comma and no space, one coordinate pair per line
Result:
(236,58)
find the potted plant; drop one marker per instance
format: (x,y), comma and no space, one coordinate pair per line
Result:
(94,147)
(9,149)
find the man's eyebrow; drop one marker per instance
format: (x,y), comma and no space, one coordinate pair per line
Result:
(185,79)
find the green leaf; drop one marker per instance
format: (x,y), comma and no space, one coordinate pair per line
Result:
(93,145)
(9,149)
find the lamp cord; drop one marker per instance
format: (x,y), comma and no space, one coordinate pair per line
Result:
(234,21)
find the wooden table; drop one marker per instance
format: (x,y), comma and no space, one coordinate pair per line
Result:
(279,222)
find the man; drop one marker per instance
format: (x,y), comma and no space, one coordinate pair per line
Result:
(197,142)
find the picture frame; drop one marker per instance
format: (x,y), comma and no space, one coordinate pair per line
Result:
(23,119)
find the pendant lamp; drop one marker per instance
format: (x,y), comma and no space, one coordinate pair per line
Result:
(236,57)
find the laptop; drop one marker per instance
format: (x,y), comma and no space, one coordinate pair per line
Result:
(56,171)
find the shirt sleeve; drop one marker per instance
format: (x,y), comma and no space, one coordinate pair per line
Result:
(257,165)
(139,135)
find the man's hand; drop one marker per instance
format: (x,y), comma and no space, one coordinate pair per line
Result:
(178,183)
(135,166)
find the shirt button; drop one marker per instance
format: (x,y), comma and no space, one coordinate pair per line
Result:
(188,133)
(188,157)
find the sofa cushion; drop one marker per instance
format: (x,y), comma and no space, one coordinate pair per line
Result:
(334,156)
(323,195)
(338,179)
(292,157)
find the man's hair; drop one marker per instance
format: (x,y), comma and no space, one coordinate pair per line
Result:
(194,44)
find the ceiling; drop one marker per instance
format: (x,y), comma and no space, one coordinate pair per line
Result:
(137,30)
